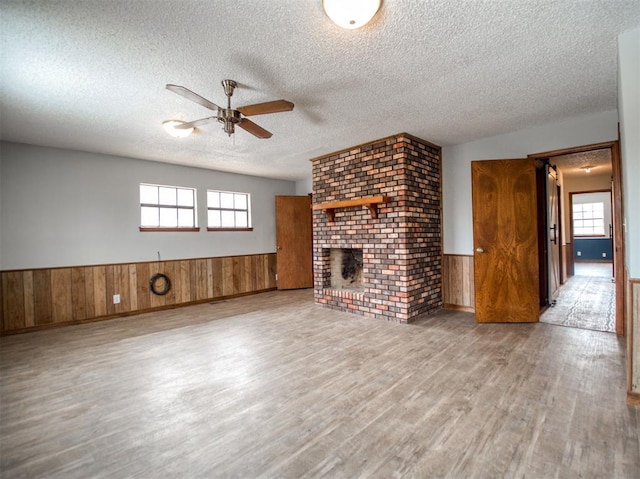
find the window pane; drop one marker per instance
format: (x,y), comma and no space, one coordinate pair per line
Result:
(226,200)
(577,215)
(185,197)
(240,201)
(241,219)
(149,216)
(185,218)
(167,195)
(598,227)
(227,219)
(149,194)
(168,217)
(213,199)
(214,219)
(580,231)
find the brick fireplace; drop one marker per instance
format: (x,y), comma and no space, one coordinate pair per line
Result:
(384,200)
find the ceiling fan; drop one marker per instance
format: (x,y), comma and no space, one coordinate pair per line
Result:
(228,116)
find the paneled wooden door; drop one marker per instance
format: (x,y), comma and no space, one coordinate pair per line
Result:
(505,235)
(294,249)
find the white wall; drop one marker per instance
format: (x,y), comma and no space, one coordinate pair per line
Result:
(629,107)
(67,208)
(304,187)
(456,165)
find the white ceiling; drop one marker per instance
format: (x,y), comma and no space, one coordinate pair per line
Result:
(599,161)
(90,75)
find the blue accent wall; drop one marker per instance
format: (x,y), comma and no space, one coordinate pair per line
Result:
(592,249)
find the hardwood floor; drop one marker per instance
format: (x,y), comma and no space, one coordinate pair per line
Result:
(274,386)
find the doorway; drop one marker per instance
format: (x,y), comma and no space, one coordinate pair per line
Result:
(586,285)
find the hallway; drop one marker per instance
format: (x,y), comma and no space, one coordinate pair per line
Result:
(586,300)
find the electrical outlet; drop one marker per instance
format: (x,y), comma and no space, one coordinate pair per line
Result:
(604,255)
(579,253)
(116,299)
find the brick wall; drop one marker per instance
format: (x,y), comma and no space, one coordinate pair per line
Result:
(402,248)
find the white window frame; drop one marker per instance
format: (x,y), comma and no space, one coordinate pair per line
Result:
(181,208)
(588,220)
(231,211)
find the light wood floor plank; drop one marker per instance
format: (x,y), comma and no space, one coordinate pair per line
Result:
(274,386)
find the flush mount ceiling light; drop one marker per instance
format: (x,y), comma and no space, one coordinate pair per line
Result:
(170,127)
(587,169)
(351,13)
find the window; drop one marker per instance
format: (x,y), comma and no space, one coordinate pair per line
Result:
(588,219)
(228,211)
(167,208)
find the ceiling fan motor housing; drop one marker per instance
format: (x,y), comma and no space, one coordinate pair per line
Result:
(229,117)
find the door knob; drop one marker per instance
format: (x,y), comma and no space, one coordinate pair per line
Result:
(479,250)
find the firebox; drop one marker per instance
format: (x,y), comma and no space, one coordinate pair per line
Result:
(346,269)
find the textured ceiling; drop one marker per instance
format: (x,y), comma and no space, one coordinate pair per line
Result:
(573,165)
(90,75)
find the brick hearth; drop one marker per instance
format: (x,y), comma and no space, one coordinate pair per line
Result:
(402,247)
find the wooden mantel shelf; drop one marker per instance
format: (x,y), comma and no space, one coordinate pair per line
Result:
(370,202)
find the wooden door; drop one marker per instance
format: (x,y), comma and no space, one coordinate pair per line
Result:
(294,242)
(505,241)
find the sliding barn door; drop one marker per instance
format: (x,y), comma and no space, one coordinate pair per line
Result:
(294,250)
(505,239)
(553,233)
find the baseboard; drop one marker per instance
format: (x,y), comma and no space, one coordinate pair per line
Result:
(457,307)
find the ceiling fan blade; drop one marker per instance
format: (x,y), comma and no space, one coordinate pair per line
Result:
(268,107)
(254,129)
(189,95)
(196,123)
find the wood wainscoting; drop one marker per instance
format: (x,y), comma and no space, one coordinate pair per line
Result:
(457,282)
(39,298)
(568,264)
(633,339)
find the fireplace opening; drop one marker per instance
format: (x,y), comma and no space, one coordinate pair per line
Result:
(346,269)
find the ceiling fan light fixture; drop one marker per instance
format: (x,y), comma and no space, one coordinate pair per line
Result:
(170,127)
(351,14)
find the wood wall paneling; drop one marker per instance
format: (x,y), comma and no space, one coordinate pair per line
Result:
(100,290)
(13,298)
(89,292)
(633,339)
(1,302)
(185,291)
(41,297)
(227,276)
(78,294)
(271,271)
(458,286)
(29,308)
(43,308)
